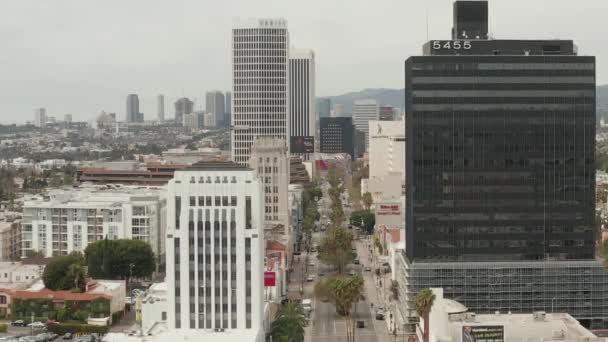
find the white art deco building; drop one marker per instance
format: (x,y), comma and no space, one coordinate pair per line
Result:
(215,248)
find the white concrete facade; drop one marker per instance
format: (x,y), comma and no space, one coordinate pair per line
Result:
(215,248)
(260,97)
(68,220)
(271,165)
(303,117)
(365,111)
(386,159)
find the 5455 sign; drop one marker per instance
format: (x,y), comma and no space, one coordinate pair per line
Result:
(451,44)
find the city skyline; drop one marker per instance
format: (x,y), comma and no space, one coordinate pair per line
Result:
(66,77)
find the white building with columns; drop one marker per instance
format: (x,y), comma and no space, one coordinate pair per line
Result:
(215,249)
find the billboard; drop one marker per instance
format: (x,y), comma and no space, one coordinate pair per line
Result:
(270,278)
(302,144)
(388,209)
(483,333)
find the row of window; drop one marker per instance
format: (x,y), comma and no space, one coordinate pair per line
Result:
(213,201)
(208,179)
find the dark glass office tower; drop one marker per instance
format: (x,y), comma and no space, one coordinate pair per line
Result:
(500,174)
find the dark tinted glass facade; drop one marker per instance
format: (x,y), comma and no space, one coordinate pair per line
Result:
(337,135)
(500,157)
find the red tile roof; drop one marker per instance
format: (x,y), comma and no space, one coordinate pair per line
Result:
(59,295)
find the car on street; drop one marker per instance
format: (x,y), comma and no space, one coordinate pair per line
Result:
(37,324)
(18,323)
(321,273)
(380,314)
(311,263)
(67,336)
(351,273)
(356,262)
(310,278)
(368,269)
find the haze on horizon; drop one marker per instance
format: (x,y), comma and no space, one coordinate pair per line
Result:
(80,57)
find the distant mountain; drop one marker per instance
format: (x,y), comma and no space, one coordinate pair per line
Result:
(391,97)
(396,98)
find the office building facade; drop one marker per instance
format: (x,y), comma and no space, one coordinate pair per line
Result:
(337,136)
(66,221)
(215,105)
(260,53)
(302,112)
(183,106)
(132,114)
(500,175)
(270,162)
(386,113)
(365,111)
(215,258)
(160,103)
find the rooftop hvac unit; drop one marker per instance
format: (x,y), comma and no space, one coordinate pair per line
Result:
(539,315)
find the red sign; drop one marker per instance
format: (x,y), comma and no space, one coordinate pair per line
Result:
(270,279)
(388,209)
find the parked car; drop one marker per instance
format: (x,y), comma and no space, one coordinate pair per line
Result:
(67,336)
(36,325)
(380,314)
(310,278)
(356,262)
(351,273)
(368,269)
(18,323)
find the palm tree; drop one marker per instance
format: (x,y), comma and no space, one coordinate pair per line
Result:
(76,272)
(289,324)
(344,293)
(424,302)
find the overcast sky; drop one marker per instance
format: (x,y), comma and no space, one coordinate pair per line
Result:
(81,57)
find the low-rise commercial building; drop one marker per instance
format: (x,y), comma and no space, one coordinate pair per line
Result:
(66,221)
(451,321)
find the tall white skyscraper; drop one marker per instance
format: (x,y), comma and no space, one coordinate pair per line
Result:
(363,112)
(215,248)
(161,107)
(40,117)
(260,52)
(303,120)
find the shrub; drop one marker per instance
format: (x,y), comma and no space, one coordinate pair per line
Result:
(61,329)
(3,327)
(81,315)
(116,317)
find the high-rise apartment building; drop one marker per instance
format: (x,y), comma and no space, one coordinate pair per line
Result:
(303,121)
(270,161)
(215,105)
(365,111)
(66,221)
(500,174)
(337,136)
(183,106)
(260,52)
(324,107)
(40,117)
(132,113)
(160,103)
(215,248)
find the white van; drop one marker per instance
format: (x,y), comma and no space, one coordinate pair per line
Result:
(307,306)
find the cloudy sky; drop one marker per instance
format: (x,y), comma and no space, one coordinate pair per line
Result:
(81,57)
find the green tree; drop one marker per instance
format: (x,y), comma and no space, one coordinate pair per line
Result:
(289,324)
(336,248)
(65,273)
(364,219)
(424,302)
(120,259)
(343,293)
(367,200)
